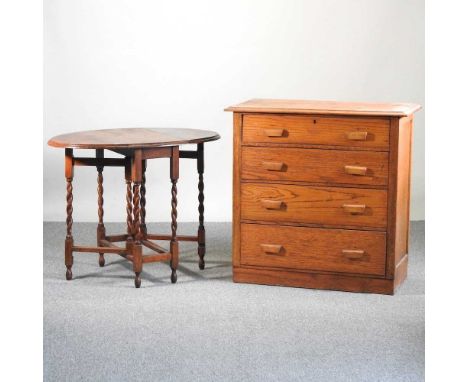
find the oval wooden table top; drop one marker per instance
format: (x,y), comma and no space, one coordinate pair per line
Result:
(132,138)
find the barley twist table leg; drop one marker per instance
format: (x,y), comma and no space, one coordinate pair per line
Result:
(69,221)
(174,245)
(201,207)
(101,230)
(129,198)
(129,207)
(136,211)
(137,250)
(143,201)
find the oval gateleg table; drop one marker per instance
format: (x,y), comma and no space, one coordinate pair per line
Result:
(136,145)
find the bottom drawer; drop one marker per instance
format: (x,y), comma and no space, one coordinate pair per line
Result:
(318,249)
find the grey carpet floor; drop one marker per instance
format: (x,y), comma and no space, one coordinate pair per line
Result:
(98,327)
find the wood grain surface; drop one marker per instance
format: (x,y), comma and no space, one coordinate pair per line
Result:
(131,138)
(236,188)
(324,107)
(321,205)
(316,130)
(307,279)
(335,250)
(316,166)
(399,191)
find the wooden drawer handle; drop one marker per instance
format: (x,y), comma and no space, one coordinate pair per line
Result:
(357,136)
(355,170)
(272,204)
(274,132)
(271,249)
(273,166)
(354,209)
(353,254)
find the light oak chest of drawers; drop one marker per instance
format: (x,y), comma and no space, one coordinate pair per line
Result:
(321,194)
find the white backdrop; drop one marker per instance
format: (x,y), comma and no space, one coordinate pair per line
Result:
(148,63)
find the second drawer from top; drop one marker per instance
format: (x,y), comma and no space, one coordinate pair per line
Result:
(315,165)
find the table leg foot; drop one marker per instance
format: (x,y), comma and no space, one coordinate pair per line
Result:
(201,248)
(174,276)
(102,261)
(174,263)
(69,257)
(137,280)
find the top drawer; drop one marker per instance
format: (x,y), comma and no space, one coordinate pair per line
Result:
(305,129)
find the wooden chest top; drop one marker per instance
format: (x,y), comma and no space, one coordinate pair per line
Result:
(324,107)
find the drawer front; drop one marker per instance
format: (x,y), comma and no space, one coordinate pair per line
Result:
(314,165)
(318,249)
(303,129)
(335,206)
